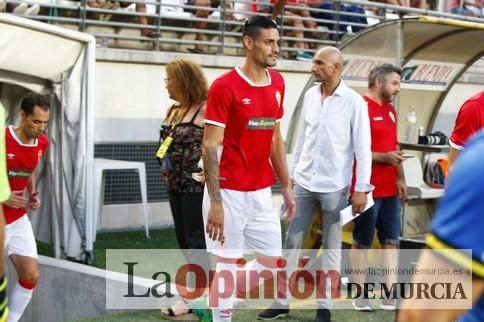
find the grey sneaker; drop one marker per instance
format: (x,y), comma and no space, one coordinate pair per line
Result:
(275,311)
(388,304)
(361,304)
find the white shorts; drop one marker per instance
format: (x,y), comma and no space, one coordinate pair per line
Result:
(250,222)
(19,238)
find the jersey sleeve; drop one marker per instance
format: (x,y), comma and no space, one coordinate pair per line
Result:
(457,225)
(219,102)
(465,125)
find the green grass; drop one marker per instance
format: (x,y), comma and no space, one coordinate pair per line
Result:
(165,239)
(250,316)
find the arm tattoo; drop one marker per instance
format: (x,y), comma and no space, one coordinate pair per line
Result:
(211,166)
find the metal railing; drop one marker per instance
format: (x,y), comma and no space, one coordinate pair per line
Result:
(177,25)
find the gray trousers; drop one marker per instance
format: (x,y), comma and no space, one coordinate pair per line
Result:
(307,203)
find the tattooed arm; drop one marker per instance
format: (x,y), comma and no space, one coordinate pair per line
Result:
(211,141)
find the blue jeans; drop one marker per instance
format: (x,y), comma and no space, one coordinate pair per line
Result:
(385,217)
(344,19)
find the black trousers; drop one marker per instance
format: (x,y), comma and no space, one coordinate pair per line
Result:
(186,209)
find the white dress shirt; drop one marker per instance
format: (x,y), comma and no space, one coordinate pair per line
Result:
(332,133)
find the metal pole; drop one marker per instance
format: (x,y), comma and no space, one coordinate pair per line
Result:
(83,15)
(399,54)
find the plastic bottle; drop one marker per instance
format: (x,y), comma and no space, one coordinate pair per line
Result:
(410,126)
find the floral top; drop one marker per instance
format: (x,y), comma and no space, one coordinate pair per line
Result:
(185,153)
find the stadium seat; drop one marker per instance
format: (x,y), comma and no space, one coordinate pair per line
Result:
(106,164)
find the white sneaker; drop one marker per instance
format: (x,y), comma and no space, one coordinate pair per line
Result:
(20,9)
(33,10)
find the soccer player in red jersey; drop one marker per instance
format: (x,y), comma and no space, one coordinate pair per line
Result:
(26,143)
(4,194)
(244,110)
(469,121)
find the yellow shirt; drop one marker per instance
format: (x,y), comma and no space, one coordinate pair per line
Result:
(4,186)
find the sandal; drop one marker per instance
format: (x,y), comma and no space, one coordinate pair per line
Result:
(150,33)
(179,308)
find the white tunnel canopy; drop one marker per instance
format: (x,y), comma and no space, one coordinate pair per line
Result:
(53,60)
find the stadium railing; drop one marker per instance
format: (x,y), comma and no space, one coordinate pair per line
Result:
(176,26)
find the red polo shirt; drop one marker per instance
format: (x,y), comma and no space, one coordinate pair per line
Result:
(469,121)
(383,123)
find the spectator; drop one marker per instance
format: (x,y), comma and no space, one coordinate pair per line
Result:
(140,7)
(388,180)
(469,121)
(199,25)
(23,8)
(403,3)
(473,8)
(455,243)
(187,85)
(292,16)
(356,15)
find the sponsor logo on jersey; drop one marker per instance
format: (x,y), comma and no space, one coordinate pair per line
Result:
(19,174)
(246,101)
(261,123)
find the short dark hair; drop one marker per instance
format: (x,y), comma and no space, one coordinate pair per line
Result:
(33,99)
(380,72)
(254,24)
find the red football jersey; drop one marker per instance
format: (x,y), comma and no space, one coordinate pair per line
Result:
(21,162)
(248,113)
(470,120)
(383,124)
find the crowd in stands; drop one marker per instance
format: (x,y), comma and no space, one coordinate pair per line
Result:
(305,19)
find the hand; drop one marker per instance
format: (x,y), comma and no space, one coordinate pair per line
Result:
(215,222)
(358,202)
(402,189)
(394,157)
(16,200)
(34,201)
(289,202)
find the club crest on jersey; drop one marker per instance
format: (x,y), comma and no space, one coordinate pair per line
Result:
(278,98)
(392,116)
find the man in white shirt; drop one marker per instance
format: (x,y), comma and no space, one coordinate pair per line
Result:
(334,130)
